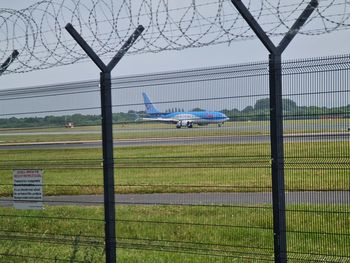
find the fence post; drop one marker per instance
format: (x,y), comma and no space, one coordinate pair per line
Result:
(276,119)
(107,133)
(8,61)
(108,166)
(277,158)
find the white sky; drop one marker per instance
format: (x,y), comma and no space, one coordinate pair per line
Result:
(334,43)
(237,52)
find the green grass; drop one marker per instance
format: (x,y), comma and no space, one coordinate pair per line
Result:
(177,233)
(129,131)
(173,234)
(159,130)
(193,168)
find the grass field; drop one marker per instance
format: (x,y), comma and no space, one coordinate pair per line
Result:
(172,234)
(176,233)
(192,168)
(156,130)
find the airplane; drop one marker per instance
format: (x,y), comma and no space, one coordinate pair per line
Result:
(183,119)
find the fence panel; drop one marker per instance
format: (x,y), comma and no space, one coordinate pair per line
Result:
(37,132)
(212,184)
(200,194)
(317,150)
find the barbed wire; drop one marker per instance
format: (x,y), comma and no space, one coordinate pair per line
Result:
(38,33)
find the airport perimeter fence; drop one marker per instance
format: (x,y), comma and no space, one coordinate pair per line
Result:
(200,194)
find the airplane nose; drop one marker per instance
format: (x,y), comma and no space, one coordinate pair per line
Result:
(224,117)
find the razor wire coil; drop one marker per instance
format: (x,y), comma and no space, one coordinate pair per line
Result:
(38,33)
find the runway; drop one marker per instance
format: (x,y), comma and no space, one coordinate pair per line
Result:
(222,199)
(234,139)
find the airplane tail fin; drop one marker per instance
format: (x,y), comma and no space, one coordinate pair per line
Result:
(150,109)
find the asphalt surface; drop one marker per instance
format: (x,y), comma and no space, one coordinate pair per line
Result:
(257,127)
(233,199)
(304,137)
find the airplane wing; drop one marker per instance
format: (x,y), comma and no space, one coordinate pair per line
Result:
(166,120)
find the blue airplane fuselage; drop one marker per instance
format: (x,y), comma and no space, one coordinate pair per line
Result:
(183,118)
(204,117)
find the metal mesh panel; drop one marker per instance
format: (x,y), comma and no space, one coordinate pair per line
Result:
(33,136)
(200,194)
(213,182)
(317,159)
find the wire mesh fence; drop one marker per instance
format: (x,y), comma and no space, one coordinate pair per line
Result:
(317,167)
(196,193)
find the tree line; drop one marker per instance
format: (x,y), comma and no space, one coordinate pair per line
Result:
(260,111)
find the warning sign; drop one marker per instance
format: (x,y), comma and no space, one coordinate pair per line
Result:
(28,189)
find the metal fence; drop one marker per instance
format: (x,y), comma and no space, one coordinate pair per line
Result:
(317,165)
(201,194)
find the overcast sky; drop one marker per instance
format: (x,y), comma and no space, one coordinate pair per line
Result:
(237,52)
(302,46)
